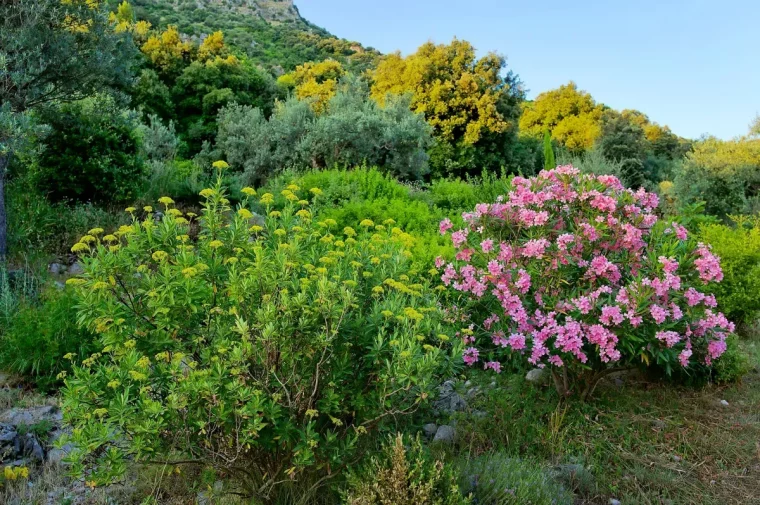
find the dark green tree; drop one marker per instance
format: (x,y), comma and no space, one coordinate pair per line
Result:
(53,51)
(623,141)
(92,152)
(549,161)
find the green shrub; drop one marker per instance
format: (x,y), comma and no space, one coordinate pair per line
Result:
(40,335)
(733,364)
(403,474)
(498,479)
(265,351)
(738,247)
(91,153)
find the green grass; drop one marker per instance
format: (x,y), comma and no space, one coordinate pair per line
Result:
(644,442)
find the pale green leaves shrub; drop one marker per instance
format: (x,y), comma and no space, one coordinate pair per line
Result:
(264,347)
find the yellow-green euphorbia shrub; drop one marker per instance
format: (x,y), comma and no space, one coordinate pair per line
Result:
(262,347)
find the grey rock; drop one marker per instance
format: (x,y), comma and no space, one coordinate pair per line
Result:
(29,446)
(473,392)
(613,501)
(56,268)
(537,376)
(723,403)
(32,415)
(619,382)
(468,383)
(659,425)
(676,458)
(76,269)
(56,455)
(430,429)
(445,434)
(452,402)
(60,286)
(479,414)
(7,433)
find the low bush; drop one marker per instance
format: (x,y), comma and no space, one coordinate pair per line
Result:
(738,247)
(41,338)
(576,273)
(403,474)
(498,479)
(264,350)
(91,153)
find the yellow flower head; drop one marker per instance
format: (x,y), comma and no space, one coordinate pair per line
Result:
(293,187)
(88,239)
(315,191)
(275,214)
(79,247)
(148,208)
(248,191)
(130,209)
(303,213)
(303,202)
(208,193)
(189,272)
(280,232)
(165,200)
(267,198)
(389,222)
(95,231)
(215,244)
(366,223)
(159,256)
(255,228)
(350,232)
(245,213)
(110,238)
(220,165)
(74,281)
(174,212)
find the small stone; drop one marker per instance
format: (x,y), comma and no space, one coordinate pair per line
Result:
(56,455)
(658,424)
(60,286)
(430,429)
(468,383)
(613,501)
(76,269)
(619,382)
(724,403)
(676,458)
(32,415)
(444,434)
(493,384)
(56,268)
(537,376)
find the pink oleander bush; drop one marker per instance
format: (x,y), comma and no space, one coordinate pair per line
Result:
(575,272)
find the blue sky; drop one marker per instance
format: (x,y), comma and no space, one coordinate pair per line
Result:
(690,64)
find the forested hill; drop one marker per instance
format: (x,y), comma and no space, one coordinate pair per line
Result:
(270,32)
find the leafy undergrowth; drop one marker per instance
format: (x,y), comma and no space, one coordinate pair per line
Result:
(644,442)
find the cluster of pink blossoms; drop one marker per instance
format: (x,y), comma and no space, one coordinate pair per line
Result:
(564,269)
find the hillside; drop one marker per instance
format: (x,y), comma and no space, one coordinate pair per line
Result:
(271,32)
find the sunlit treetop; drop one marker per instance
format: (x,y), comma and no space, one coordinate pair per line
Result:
(167,51)
(315,80)
(571,115)
(459,94)
(212,47)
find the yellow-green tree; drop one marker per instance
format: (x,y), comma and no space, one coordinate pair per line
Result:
(458,93)
(124,21)
(317,81)
(472,104)
(167,51)
(572,116)
(212,47)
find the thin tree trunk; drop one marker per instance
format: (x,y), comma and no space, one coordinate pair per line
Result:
(4,160)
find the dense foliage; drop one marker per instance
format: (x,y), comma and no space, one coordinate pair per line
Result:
(264,347)
(91,153)
(575,272)
(472,104)
(350,131)
(738,247)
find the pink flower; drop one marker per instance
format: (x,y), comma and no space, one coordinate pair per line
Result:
(670,338)
(693,297)
(523,281)
(611,315)
(493,365)
(445,226)
(658,314)
(470,355)
(516,341)
(459,237)
(495,268)
(535,248)
(681,232)
(669,265)
(708,265)
(556,361)
(714,350)
(487,245)
(439,262)
(683,358)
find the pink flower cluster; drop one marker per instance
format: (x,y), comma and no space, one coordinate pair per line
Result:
(561,270)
